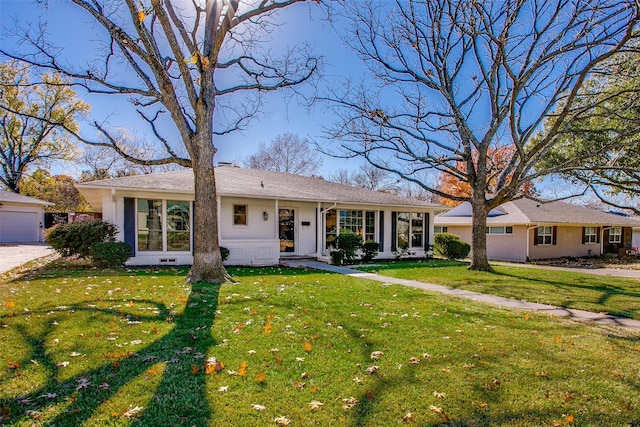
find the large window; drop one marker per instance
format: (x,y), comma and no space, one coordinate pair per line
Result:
(362,223)
(615,235)
(410,229)
(545,236)
(164,225)
(590,235)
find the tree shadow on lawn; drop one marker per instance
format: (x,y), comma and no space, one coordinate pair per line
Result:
(180,396)
(605,292)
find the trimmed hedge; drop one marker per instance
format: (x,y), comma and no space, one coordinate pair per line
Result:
(110,254)
(370,250)
(450,246)
(77,238)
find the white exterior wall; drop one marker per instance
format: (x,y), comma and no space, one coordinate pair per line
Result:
(635,239)
(256,243)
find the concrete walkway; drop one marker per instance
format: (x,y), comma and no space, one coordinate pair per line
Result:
(580,315)
(12,256)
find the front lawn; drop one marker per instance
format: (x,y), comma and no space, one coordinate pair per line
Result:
(614,295)
(139,347)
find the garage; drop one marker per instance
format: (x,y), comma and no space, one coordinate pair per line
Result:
(21,218)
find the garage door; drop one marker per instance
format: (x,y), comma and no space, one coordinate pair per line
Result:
(19,227)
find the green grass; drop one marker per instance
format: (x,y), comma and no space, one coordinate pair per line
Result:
(137,340)
(614,295)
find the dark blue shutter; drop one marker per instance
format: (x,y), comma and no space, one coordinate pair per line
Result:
(381,233)
(425,231)
(130,223)
(394,228)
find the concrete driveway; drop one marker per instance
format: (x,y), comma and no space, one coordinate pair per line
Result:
(13,255)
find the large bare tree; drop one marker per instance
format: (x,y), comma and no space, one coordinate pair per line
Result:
(286,153)
(456,80)
(189,61)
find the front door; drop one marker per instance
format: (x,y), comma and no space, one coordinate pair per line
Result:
(287,230)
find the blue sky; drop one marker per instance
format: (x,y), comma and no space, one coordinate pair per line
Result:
(70,29)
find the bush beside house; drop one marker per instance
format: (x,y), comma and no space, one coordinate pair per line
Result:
(450,246)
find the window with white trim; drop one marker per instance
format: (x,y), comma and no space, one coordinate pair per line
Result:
(438,229)
(163,225)
(615,235)
(500,230)
(239,214)
(590,235)
(410,230)
(362,223)
(545,235)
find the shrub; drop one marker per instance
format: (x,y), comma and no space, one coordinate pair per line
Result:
(78,237)
(370,250)
(348,243)
(224,253)
(110,254)
(450,246)
(337,257)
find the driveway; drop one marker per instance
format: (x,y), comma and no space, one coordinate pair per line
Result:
(12,256)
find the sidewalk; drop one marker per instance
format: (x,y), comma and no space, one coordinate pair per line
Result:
(630,274)
(580,315)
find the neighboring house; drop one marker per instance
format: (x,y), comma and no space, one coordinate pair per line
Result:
(262,216)
(21,218)
(524,230)
(635,240)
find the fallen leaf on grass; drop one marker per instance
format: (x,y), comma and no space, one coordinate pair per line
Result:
(14,365)
(414,360)
(243,369)
(409,417)
(223,388)
(349,403)
(440,412)
(315,405)
(261,377)
(258,407)
(282,421)
(373,369)
(377,354)
(132,412)
(307,347)
(542,374)
(439,395)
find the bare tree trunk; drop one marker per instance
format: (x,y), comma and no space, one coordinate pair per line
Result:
(479,259)
(207,261)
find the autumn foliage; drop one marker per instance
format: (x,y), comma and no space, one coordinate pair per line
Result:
(497,161)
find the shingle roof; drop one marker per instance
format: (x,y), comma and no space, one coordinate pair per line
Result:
(10,197)
(234,181)
(527,211)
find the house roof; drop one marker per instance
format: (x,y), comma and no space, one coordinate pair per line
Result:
(531,212)
(10,197)
(253,183)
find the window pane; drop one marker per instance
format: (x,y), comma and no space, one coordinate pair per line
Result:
(416,230)
(178,226)
(149,225)
(509,230)
(370,226)
(351,221)
(331,229)
(239,214)
(402,229)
